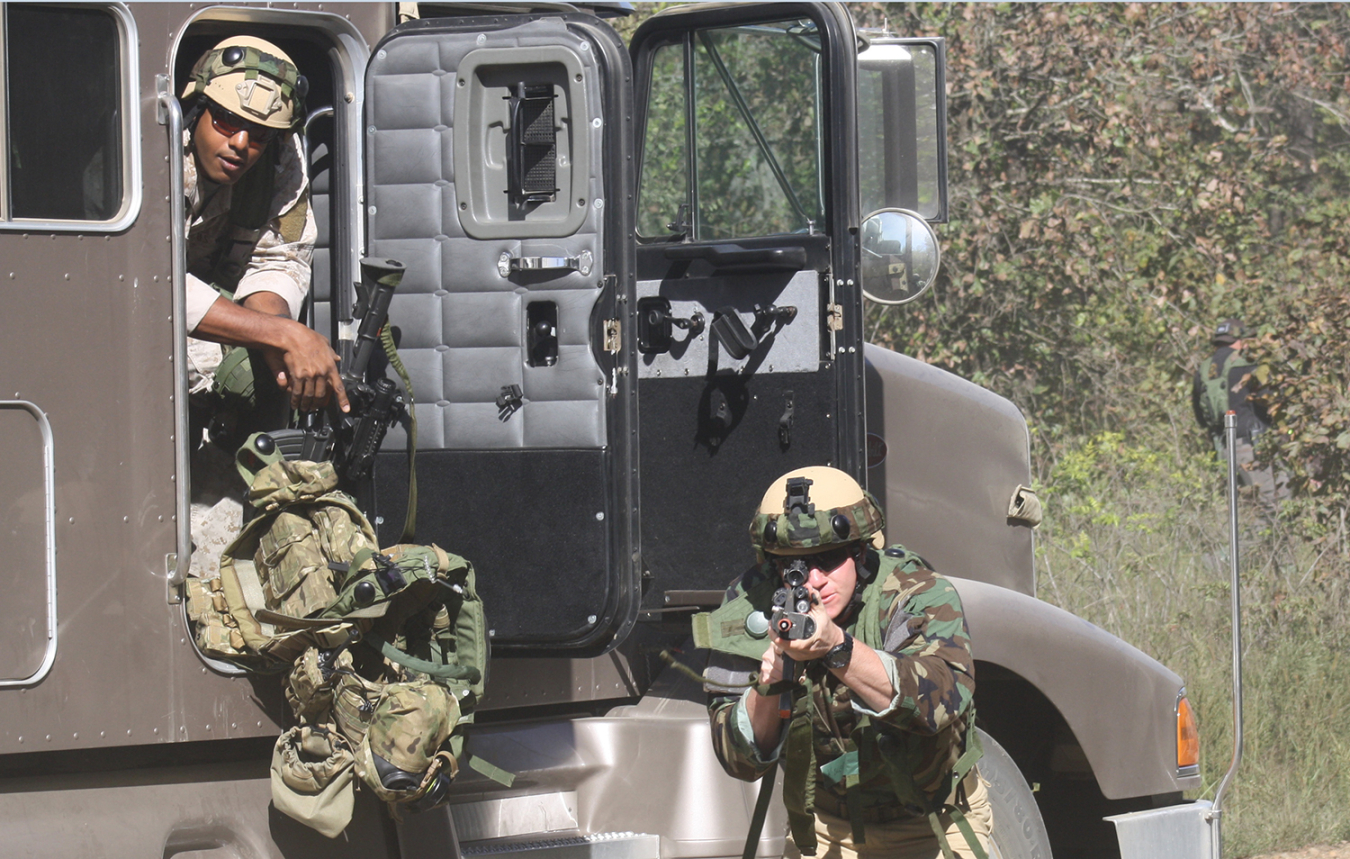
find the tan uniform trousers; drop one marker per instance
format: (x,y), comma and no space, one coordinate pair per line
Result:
(911,838)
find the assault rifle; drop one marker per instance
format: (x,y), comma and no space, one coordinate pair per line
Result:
(350,441)
(792,604)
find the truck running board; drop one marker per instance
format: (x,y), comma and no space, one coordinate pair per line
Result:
(601,845)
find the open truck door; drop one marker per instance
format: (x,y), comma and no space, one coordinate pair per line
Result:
(498,170)
(748,308)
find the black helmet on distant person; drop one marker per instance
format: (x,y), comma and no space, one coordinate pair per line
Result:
(1228,332)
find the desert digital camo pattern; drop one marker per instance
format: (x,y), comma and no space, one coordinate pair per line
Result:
(277,258)
(925,632)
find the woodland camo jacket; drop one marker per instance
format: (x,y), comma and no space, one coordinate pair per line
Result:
(926,652)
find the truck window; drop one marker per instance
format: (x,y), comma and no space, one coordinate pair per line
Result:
(64,107)
(733,134)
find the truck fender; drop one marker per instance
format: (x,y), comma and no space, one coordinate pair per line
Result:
(1119,702)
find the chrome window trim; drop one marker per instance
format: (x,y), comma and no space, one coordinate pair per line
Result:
(49,517)
(132,192)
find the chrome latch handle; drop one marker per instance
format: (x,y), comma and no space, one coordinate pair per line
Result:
(508,264)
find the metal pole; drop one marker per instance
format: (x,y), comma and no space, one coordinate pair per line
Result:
(1216,810)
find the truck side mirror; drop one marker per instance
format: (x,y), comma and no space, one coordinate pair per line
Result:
(900,256)
(902,121)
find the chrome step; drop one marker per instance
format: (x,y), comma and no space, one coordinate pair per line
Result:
(601,845)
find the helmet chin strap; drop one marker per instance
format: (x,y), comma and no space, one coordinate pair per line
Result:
(864,577)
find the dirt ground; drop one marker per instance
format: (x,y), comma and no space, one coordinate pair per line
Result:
(1323,851)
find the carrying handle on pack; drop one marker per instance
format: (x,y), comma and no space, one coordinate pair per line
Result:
(258,452)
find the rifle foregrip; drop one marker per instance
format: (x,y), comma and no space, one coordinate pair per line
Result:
(371,429)
(379,279)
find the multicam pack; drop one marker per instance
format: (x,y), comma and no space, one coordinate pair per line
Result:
(384,650)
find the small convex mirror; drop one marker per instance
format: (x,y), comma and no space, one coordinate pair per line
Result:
(900,256)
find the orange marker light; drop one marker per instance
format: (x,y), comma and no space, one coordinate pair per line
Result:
(1188,735)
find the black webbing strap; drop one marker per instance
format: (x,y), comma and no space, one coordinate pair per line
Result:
(761,812)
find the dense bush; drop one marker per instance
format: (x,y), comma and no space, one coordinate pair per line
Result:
(1123,177)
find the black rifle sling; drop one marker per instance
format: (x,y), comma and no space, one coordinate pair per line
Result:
(761,812)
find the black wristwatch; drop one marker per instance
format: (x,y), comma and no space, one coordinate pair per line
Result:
(840,655)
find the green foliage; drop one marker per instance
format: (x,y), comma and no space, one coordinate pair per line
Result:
(756,134)
(1122,177)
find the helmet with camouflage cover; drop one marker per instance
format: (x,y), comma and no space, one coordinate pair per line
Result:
(252,78)
(812,509)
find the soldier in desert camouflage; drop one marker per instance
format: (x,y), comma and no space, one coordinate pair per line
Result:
(876,730)
(251,237)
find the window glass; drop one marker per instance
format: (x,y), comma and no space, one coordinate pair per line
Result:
(756,165)
(63,110)
(665,149)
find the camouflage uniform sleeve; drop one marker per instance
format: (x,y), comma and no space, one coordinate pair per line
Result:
(732,735)
(734,739)
(927,655)
(281,259)
(200,297)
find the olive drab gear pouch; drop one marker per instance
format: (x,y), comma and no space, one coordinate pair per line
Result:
(1217,389)
(384,650)
(312,778)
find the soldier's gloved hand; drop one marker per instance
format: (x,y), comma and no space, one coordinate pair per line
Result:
(827,635)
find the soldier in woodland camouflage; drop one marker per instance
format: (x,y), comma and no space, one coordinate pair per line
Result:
(879,738)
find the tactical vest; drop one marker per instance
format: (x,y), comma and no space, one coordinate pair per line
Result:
(236,383)
(894,753)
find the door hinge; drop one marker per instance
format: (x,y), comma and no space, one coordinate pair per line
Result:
(173,579)
(834,317)
(613,338)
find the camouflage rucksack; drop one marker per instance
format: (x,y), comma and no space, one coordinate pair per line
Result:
(385,650)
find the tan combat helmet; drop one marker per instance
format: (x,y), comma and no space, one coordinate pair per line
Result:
(252,78)
(812,509)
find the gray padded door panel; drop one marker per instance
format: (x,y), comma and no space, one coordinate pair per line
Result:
(462,307)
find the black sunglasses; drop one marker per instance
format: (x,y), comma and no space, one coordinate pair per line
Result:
(230,124)
(827,561)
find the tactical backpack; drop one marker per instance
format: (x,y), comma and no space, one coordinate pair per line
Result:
(384,651)
(1215,400)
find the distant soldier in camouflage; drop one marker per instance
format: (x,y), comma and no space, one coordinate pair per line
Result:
(878,750)
(251,237)
(1225,382)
